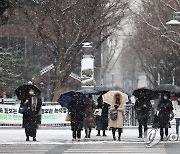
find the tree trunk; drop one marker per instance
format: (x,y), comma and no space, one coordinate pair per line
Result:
(58,91)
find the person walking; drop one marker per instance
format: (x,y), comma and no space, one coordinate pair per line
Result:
(32,114)
(77,112)
(165,108)
(142,108)
(89,120)
(176,106)
(101,119)
(118,108)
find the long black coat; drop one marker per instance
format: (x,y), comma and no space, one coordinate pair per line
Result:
(77,111)
(31,118)
(142,107)
(102,121)
(164,107)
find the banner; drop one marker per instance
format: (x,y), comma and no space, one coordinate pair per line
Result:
(50,114)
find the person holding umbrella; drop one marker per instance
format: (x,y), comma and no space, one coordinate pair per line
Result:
(101,116)
(116,100)
(165,108)
(76,109)
(117,124)
(32,114)
(142,107)
(176,106)
(89,121)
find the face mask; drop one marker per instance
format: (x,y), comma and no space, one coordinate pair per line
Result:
(165,97)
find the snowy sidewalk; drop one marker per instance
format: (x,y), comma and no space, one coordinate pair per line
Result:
(16,135)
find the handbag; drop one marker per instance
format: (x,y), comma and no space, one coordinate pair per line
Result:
(113,115)
(68,117)
(22,109)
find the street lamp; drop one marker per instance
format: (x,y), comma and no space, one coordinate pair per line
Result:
(174,21)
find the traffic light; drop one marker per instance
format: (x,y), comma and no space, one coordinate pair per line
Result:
(87,71)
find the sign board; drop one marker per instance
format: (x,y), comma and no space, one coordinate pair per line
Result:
(54,114)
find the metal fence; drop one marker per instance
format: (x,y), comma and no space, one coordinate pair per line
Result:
(130,116)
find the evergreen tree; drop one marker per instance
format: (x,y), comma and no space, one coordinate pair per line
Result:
(14,71)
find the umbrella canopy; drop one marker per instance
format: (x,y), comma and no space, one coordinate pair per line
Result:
(88,91)
(66,98)
(148,92)
(109,97)
(103,89)
(167,88)
(23,91)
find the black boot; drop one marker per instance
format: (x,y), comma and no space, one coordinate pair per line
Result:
(86,132)
(104,134)
(140,131)
(34,138)
(98,134)
(27,138)
(89,133)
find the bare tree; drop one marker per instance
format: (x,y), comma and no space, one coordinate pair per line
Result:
(62,27)
(156,43)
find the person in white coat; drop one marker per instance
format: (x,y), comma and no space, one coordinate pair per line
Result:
(176,106)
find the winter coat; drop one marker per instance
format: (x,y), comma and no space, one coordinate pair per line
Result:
(77,111)
(89,120)
(32,116)
(176,106)
(164,107)
(102,121)
(118,123)
(142,108)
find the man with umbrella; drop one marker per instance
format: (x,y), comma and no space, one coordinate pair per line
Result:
(142,107)
(165,108)
(30,100)
(77,110)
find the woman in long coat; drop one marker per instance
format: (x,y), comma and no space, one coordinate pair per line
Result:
(102,120)
(89,121)
(32,116)
(77,111)
(164,107)
(117,106)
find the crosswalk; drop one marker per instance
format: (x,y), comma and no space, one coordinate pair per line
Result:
(115,148)
(25,148)
(84,148)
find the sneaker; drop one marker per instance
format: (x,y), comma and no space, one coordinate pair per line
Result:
(139,136)
(78,139)
(98,135)
(104,135)
(114,138)
(34,139)
(73,139)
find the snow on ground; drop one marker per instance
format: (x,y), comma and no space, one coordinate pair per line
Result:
(12,135)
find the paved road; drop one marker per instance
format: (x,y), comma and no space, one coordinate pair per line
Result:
(83,148)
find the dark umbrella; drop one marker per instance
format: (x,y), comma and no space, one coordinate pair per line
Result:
(66,98)
(23,91)
(148,92)
(103,89)
(167,88)
(88,91)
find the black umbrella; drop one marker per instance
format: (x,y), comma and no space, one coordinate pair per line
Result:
(23,91)
(66,98)
(167,88)
(88,91)
(147,91)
